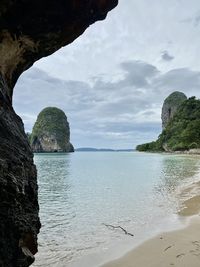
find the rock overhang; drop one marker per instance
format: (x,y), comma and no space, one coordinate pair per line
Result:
(32,29)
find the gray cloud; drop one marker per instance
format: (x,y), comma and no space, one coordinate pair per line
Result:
(197,21)
(106,113)
(182,79)
(166,56)
(138,73)
(194,20)
(110,81)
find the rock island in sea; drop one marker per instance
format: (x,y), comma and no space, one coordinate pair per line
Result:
(51,132)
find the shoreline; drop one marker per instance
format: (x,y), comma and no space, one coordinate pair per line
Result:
(118,250)
(177,152)
(180,247)
(125,254)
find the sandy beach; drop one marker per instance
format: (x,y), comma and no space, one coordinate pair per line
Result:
(180,248)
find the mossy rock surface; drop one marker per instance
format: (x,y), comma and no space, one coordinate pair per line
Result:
(51,132)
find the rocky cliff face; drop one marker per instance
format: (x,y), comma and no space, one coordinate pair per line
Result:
(19,222)
(181,127)
(51,132)
(170,106)
(29,30)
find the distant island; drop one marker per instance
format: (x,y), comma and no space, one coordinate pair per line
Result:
(91,149)
(51,132)
(181,126)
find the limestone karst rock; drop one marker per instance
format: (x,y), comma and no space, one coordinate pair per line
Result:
(51,132)
(29,30)
(182,128)
(170,106)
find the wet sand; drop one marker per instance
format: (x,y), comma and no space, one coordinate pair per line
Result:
(180,248)
(191,207)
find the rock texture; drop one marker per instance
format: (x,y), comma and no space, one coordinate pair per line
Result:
(51,132)
(29,30)
(19,222)
(170,106)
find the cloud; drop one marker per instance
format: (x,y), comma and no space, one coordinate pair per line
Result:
(138,73)
(107,93)
(194,20)
(116,113)
(182,79)
(197,20)
(166,56)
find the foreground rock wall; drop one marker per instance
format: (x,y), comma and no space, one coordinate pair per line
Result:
(19,222)
(29,30)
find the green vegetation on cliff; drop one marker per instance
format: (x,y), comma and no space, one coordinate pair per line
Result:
(51,131)
(154,146)
(174,98)
(182,132)
(48,120)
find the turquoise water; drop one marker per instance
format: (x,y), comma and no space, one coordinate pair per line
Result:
(82,191)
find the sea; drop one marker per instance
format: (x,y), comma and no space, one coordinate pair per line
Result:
(89,201)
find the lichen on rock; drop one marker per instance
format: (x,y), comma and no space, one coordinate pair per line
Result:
(51,132)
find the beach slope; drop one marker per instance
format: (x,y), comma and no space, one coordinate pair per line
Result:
(180,248)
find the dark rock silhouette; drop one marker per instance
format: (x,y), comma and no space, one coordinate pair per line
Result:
(29,30)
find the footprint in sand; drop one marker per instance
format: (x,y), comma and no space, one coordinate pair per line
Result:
(196,249)
(197,243)
(180,255)
(168,248)
(196,254)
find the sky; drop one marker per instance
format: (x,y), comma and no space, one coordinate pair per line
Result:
(111,82)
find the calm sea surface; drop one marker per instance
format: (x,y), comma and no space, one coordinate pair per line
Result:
(82,191)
